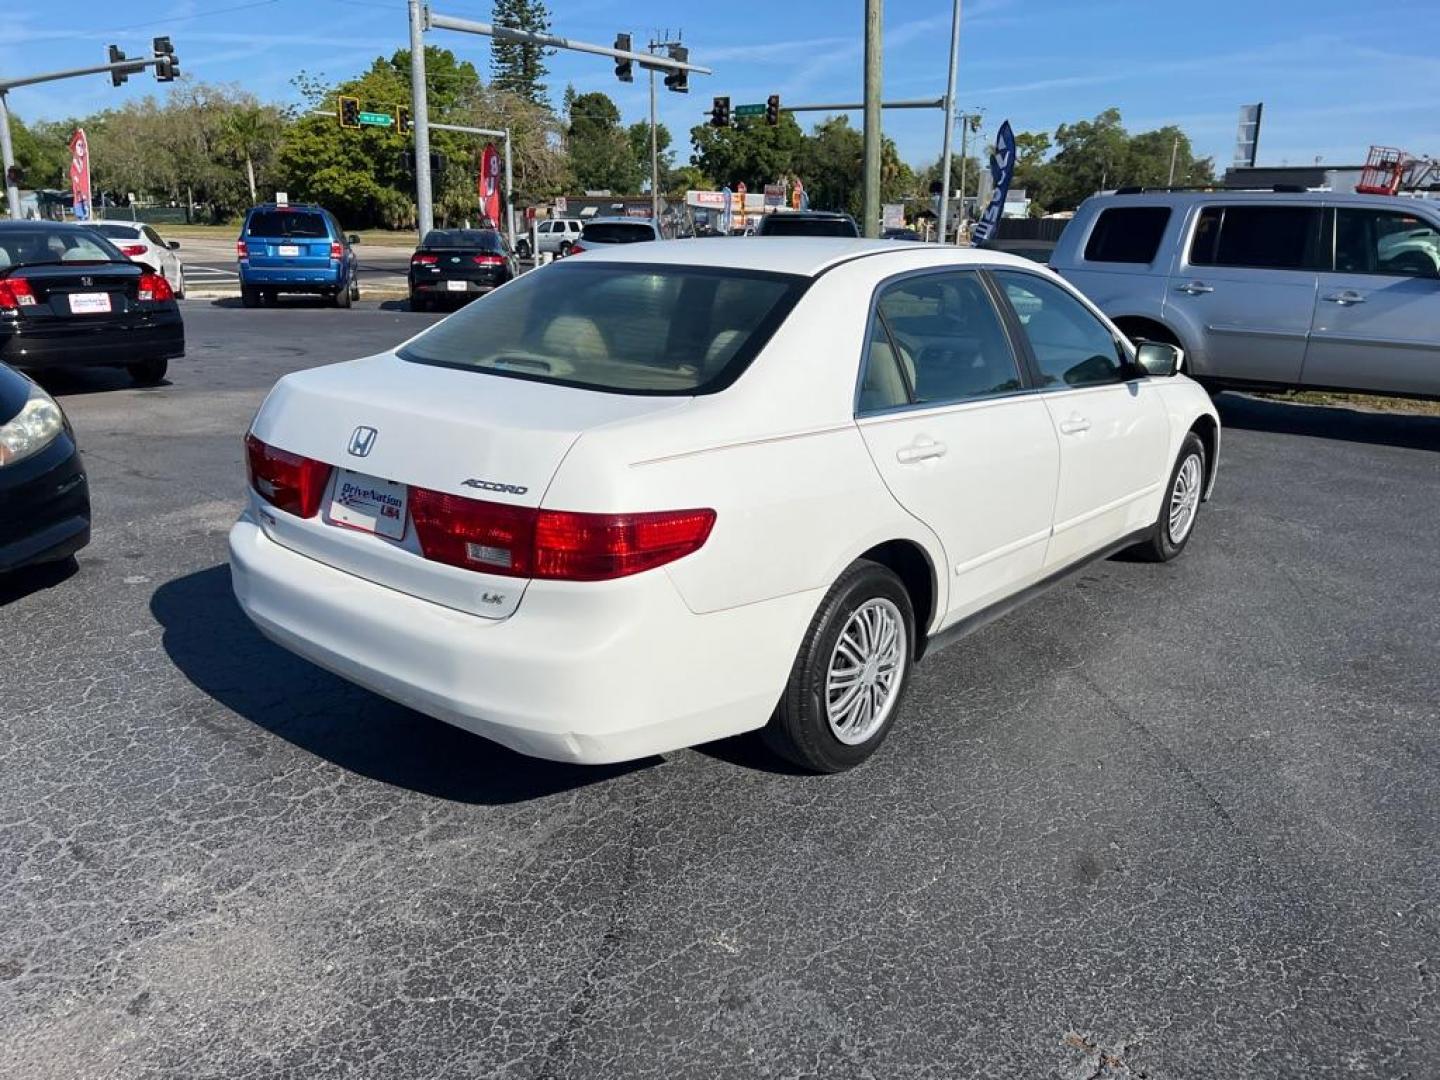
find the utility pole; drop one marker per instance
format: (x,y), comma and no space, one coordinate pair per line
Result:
(949,125)
(654,130)
(1174,149)
(420,117)
(873,78)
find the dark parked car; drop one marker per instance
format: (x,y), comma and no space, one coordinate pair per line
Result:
(44,499)
(68,297)
(456,265)
(295,248)
(808,223)
(900,234)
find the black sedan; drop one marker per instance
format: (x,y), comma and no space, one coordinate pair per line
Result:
(452,266)
(44,499)
(68,297)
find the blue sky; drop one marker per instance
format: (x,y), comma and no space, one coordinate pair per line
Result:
(1334,76)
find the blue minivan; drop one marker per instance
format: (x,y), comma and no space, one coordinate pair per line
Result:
(295,248)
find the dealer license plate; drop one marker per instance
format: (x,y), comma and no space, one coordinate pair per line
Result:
(289,249)
(368,503)
(455,286)
(89,303)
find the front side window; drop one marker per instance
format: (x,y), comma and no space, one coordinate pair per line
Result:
(1127,234)
(1386,242)
(943,341)
(1261,237)
(666,330)
(1071,346)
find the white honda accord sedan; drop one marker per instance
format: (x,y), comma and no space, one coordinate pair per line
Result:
(664,493)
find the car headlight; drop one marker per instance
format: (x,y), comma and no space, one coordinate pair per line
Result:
(32,429)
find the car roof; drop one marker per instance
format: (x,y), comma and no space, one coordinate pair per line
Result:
(805,256)
(620,220)
(315,207)
(30,223)
(1167,198)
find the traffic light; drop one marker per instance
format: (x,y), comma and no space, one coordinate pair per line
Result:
(678,80)
(624,69)
(437,162)
(119,75)
(167,65)
(772,110)
(974,122)
(720,113)
(349,112)
(402,118)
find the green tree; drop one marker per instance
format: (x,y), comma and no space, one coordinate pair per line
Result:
(1150,159)
(517,67)
(1091,155)
(251,132)
(601,156)
(752,152)
(638,135)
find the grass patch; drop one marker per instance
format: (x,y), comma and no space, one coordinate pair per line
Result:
(1367,402)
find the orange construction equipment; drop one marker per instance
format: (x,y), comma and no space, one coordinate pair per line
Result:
(1389,170)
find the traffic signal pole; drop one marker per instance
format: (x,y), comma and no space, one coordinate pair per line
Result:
(118,70)
(420,118)
(949,126)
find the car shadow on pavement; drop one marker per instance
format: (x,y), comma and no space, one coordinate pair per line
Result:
(215,646)
(18,584)
(73,382)
(1408,430)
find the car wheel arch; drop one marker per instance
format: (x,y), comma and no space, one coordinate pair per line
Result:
(915,568)
(1138,327)
(1208,430)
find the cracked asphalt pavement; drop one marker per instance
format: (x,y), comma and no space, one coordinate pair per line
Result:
(1167,821)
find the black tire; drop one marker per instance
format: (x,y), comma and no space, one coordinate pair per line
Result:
(800,731)
(1162,546)
(180,292)
(269,297)
(341,297)
(522,249)
(355,288)
(249,297)
(419,303)
(148,372)
(565,247)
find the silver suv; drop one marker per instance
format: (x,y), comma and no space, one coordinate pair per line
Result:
(1274,289)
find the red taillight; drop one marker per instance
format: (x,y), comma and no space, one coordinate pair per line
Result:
(337,251)
(286,481)
(425,260)
(490,260)
(155,287)
(561,545)
(15,293)
(241,252)
(132,249)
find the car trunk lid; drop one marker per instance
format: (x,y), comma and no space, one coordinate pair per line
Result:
(93,290)
(387,426)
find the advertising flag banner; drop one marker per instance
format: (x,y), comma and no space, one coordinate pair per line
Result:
(80,175)
(490,184)
(1002,168)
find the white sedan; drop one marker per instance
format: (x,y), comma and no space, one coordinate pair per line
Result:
(656,496)
(140,243)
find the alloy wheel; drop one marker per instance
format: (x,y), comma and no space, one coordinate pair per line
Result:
(866,667)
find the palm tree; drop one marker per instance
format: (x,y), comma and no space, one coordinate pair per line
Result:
(247,130)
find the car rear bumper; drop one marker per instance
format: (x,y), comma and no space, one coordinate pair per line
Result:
(108,344)
(441,287)
(293,278)
(44,507)
(585,672)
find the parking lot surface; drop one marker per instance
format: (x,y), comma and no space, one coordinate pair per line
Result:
(1166,821)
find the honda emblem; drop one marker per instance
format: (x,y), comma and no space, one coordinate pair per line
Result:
(362,441)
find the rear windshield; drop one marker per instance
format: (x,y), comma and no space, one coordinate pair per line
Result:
(292,223)
(628,329)
(39,244)
(784,225)
(117,232)
(467,239)
(616,232)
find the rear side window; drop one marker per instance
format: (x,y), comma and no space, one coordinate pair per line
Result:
(658,330)
(1262,237)
(298,224)
(1385,242)
(617,232)
(1127,234)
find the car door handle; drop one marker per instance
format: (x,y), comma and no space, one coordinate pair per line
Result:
(920,450)
(1346,298)
(1075,425)
(1195,288)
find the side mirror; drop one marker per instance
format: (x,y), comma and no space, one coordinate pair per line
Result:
(352,239)
(174,245)
(1159,359)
